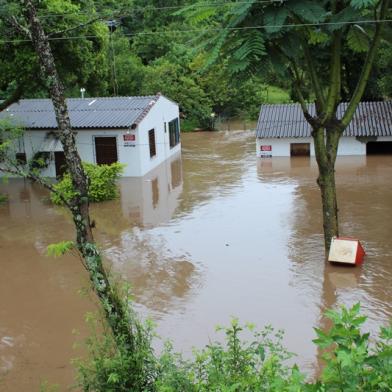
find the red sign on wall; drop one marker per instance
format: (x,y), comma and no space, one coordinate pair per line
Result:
(265,148)
(129,138)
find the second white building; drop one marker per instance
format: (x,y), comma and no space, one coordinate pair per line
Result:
(282,130)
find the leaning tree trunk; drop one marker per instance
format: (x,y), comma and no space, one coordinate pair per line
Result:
(115,310)
(326,142)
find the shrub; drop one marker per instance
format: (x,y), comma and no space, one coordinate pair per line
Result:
(351,364)
(112,367)
(258,365)
(102,183)
(236,366)
(3,198)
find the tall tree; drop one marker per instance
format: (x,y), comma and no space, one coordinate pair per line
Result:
(302,40)
(81,62)
(125,329)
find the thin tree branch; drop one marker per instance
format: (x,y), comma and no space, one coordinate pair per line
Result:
(19,27)
(335,78)
(14,97)
(297,82)
(315,81)
(15,170)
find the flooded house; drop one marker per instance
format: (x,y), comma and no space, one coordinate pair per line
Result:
(283,131)
(141,132)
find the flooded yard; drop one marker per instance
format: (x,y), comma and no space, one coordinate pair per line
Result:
(213,234)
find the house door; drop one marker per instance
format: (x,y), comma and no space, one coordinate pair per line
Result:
(106,150)
(60,164)
(378,148)
(300,149)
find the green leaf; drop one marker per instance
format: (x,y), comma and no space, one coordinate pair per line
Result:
(274,19)
(348,14)
(361,4)
(357,39)
(307,10)
(318,37)
(60,248)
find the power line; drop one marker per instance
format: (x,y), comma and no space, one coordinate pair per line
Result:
(359,22)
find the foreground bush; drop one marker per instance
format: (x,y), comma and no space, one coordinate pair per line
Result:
(351,364)
(102,183)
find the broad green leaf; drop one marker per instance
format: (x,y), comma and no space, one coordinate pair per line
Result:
(274,18)
(357,39)
(318,37)
(361,4)
(307,10)
(348,14)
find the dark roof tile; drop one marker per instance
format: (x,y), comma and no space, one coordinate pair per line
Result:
(287,120)
(110,112)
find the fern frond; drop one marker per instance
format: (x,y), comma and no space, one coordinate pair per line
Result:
(60,248)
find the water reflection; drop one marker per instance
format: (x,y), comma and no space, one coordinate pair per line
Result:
(364,203)
(214,234)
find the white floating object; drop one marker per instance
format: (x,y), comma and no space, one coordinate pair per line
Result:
(346,250)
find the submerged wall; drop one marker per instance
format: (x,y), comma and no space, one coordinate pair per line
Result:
(281,146)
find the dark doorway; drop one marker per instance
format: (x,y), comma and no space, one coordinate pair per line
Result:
(106,150)
(378,148)
(300,149)
(60,164)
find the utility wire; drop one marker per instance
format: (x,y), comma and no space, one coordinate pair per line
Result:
(203,30)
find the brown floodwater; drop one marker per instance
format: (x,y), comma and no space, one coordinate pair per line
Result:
(213,234)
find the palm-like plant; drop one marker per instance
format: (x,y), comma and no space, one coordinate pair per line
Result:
(300,40)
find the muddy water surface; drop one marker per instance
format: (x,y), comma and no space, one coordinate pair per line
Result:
(214,234)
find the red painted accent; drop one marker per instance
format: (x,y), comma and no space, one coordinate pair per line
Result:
(360,254)
(265,148)
(129,138)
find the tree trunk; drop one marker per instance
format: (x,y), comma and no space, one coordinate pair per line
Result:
(116,311)
(326,142)
(326,182)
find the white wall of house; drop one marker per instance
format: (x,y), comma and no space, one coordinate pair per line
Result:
(162,112)
(280,147)
(134,154)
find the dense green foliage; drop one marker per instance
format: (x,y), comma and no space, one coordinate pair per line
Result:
(274,38)
(102,183)
(352,363)
(152,49)
(159,47)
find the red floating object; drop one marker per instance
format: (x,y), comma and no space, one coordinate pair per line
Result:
(346,250)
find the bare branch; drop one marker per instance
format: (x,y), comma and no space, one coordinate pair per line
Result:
(14,97)
(16,170)
(297,83)
(313,75)
(19,27)
(335,78)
